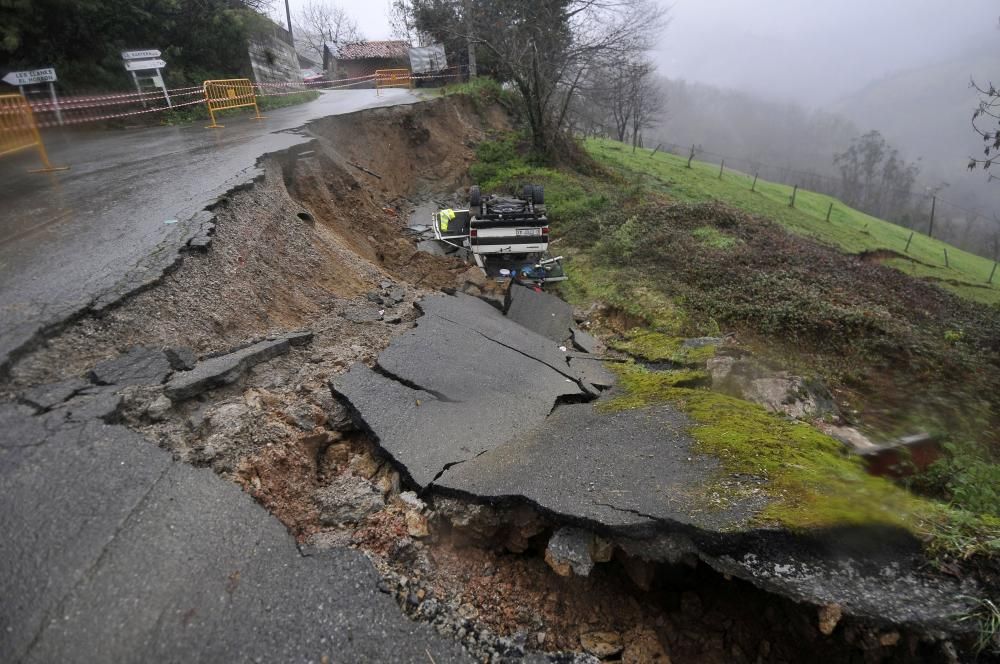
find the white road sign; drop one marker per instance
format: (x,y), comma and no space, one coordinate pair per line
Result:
(140,55)
(139,65)
(30,77)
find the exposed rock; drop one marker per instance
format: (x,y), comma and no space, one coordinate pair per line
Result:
(397,294)
(158,408)
(568,552)
(777,391)
(829,616)
(474,276)
(225,369)
(602,644)
(375,297)
(539,311)
(139,366)
(364,465)
(644,648)
(347,499)
(416,524)
(181,359)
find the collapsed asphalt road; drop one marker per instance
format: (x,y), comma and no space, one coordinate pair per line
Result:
(472,404)
(113,551)
(84,238)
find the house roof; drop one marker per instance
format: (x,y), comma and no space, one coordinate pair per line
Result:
(374,50)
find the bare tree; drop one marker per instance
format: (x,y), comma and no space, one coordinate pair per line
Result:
(544,48)
(322,22)
(985,122)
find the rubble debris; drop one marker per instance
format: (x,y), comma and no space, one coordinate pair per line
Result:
(538,311)
(139,366)
(347,499)
(225,369)
(568,552)
(603,645)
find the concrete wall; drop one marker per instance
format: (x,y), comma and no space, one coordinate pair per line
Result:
(273,59)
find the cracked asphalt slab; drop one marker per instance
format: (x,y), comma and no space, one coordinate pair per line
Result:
(635,473)
(183,566)
(112,224)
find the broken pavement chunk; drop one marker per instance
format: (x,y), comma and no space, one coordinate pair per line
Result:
(585,341)
(539,311)
(139,366)
(592,372)
(225,369)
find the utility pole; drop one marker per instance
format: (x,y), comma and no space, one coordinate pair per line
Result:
(288,17)
(469,37)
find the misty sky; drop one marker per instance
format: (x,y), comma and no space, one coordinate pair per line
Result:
(813,51)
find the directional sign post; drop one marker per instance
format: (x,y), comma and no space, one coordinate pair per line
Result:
(146,60)
(35,77)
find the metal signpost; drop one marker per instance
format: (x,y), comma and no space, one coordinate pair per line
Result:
(35,77)
(145,61)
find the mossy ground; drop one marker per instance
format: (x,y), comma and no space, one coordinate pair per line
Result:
(810,479)
(657,347)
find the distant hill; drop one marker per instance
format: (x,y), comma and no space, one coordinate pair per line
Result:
(926,113)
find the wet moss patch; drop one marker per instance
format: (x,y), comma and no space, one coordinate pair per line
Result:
(810,479)
(657,347)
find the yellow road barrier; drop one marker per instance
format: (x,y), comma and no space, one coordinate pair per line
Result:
(18,131)
(222,95)
(392,78)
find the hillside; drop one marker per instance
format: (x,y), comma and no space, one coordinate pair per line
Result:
(881,340)
(850,230)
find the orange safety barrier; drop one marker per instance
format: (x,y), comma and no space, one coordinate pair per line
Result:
(222,95)
(392,78)
(18,131)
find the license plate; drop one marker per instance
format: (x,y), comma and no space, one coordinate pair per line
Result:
(528,231)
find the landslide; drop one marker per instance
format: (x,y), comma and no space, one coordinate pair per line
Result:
(320,229)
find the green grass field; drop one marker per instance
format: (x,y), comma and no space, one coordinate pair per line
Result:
(848,229)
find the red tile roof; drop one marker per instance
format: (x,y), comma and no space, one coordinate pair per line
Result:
(374,49)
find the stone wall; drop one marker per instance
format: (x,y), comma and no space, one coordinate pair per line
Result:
(273,59)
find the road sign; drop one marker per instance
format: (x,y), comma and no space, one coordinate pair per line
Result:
(30,77)
(140,55)
(139,65)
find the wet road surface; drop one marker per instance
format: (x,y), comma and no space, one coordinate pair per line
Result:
(117,218)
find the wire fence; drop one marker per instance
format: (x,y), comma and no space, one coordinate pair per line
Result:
(927,212)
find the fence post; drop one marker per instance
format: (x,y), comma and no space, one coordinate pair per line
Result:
(828,211)
(655,150)
(722,167)
(946,258)
(753,187)
(992,272)
(691,156)
(795,190)
(908,240)
(930,229)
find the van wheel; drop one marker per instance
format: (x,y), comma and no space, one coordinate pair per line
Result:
(539,194)
(475,197)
